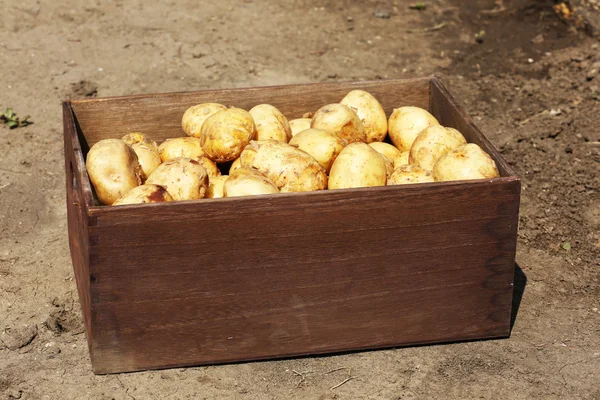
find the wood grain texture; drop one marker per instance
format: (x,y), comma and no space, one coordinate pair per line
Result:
(159,115)
(221,280)
(77,214)
(269,277)
(449,113)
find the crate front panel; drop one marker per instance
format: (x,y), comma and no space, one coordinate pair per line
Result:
(274,276)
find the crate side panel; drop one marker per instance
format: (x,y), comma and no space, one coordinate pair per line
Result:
(341,273)
(77,218)
(159,116)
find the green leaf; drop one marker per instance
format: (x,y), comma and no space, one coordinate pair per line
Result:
(566,246)
(419,5)
(12,124)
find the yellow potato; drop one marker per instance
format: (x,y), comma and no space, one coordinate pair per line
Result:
(146,151)
(370,112)
(322,145)
(389,166)
(270,123)
(401,159)
(405,123)
(248,182)
(299,124)
(358,165)
(137,137)
(194,117)
(410,174)
(340,120)
(144,194)
(189,147)
(432,143)
(291,169)
(113,168)
(226,133)
(465,162)
(386,149)
(211,167)
(235,165)
(184,178)
(215,186)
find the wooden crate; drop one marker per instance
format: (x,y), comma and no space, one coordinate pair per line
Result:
(223,280)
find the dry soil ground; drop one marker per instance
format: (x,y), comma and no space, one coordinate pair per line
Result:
(532,84)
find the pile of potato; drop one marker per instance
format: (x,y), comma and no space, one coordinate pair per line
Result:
(340,146)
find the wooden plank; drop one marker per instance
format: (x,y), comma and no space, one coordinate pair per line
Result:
(449,113)
(78,199)
(159,115)
(408,266)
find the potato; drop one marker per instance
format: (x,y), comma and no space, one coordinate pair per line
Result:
(248,182)
(210,165)
(183,177)
(389,166)
(235,165)
(194,117)
(410,174)
(386,149)
(146,151)
(226,133)
(370,112)
(405,123)
(113,168)
(291,169)
(465,162)
(136,137)
(340,120)
(188,147)
(358,165)
(299,124)
(401,159)
(432,143)
(144,194)
(270,123)
(322,145)
(215,186)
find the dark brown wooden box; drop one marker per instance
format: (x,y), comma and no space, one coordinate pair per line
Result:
(223,280)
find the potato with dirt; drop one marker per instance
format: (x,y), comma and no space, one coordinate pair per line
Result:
(291,169)
(270,123)
(432,143)
(215,186)
(226,133)
(386,149)
(358,165)
(184,178)
(341,121)
(248,182)
(147,193)
(194,117)
(146,151)
(370,112)
(401,159)
(113,168)
(189,147)
(211,167)
(406,123)
(465,162)
(322,145)
(299,124)
(409,174)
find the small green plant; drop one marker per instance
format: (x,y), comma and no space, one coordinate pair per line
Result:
(419,5)
(10,118)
